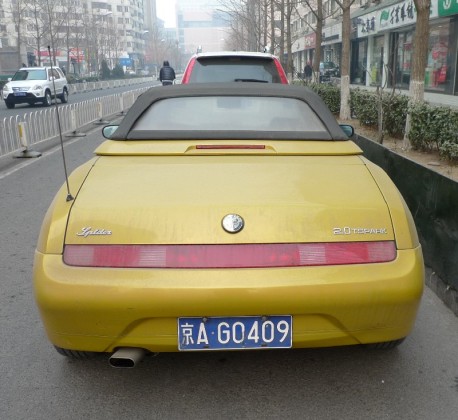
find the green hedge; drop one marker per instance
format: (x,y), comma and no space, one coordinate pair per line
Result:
(432,128)
(435,128)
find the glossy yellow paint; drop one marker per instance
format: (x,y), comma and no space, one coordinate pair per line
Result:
(182,147)
(101,309)
(169,200)
(173,193)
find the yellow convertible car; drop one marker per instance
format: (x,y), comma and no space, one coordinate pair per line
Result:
(227,217)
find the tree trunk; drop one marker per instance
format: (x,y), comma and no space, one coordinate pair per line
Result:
(289,44)
(419,56)
(272,27)
(318,38)
(345,111)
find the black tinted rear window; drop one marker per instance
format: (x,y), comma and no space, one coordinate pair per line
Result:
(230,69)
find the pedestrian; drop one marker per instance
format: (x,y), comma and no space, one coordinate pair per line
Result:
(308,71)
(167,74)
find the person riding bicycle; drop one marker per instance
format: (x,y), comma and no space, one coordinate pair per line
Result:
(167,74)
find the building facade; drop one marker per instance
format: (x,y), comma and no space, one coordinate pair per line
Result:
(382,39)
(202,26)
(82,33)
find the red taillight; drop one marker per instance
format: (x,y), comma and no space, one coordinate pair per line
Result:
(229,146)
(229,256)
(281,72)
(187,72)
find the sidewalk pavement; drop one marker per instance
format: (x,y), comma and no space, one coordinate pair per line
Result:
(438,99)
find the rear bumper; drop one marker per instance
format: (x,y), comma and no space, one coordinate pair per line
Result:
(102,309)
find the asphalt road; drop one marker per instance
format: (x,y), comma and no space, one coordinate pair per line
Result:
(418,380)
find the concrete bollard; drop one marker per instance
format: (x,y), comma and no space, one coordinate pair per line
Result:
(100,114)
(75,132)
(26,153)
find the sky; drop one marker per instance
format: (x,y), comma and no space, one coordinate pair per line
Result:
(165,10)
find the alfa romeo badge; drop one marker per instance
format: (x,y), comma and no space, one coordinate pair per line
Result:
(232,223)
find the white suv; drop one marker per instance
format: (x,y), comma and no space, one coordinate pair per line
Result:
(35,84)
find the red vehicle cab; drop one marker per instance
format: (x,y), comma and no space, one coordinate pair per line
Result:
(234,66)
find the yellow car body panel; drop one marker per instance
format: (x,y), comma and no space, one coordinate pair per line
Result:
(308,189)
(149,198)
(190,147)
(103,309)
(171,200)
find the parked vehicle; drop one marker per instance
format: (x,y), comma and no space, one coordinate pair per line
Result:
(227,216)
(328,69)
(33,85)
(234,66)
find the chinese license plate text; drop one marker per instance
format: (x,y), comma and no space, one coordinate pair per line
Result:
(244,332)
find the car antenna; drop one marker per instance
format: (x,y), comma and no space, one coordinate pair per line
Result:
(69,195)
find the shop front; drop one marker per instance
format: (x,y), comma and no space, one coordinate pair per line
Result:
(383,47)
(310,45)
(332,45)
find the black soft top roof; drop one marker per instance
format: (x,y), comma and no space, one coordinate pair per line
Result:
(125,130)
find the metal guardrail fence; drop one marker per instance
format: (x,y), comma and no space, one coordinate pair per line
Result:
(40,126)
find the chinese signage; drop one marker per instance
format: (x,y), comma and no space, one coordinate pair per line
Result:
(398,15)
(447,7)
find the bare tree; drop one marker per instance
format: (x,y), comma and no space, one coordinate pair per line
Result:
(37,23)
(248,20)
(55,22)
(316,8)
(419,57)
(18,11)
(345,111)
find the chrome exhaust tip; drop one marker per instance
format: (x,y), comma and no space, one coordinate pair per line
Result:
(126,357)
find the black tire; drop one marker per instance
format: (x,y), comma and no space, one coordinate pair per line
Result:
(75,354)
(64,97)
(10,105)
(47,101)
(386,345)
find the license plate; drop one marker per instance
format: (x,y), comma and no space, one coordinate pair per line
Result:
(19,93)
(232,333)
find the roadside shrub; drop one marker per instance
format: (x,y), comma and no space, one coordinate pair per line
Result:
(105,70)
(434,128)
(73,78)
(395,114)
(329,93)
(364,106)
(117,72)
(449,150)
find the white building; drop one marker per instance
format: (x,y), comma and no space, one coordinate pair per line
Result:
(84,33)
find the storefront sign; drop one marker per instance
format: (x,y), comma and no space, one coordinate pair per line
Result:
(397,15)
(447,7)
(76,54)
(400,14)
(310,41)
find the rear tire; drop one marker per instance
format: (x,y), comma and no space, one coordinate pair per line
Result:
(75,354)
(64,97)
(385,345)
(9,105)
(47,101)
